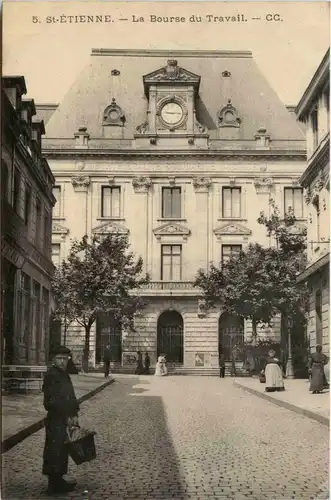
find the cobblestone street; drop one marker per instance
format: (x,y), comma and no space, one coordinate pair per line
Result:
(184,438)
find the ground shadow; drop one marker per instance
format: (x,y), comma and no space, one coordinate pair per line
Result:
(136,458)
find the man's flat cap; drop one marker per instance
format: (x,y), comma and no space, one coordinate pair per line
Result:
(60,349)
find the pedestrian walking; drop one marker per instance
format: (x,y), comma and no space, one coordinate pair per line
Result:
(317,362)
(273,373)
(106,360)
(62,413)
(222,365)
(140,367)
(147,363)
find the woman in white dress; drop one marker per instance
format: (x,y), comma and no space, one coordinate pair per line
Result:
(273,374)
(161,368)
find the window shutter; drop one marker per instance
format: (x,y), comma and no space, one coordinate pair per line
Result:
(226,202)
(236,202)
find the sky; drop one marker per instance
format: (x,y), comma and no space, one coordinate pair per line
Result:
(50,55)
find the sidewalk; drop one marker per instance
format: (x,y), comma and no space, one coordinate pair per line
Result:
(22,415)
(296,397)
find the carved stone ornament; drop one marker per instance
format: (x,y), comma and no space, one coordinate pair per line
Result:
(295,182)
(198,127)
(143,128)
(319,185)
(110,227)
(201,184)
(232,181)
(308,196)
(171,72)
(61,230)
(172,180)
(171,229)
(115,72)
(232,228)
(141,184)
(226,74)
(111,181)
(263,184)
(80,182)
(113,115)
(228,116)
(80,165)
(202,308)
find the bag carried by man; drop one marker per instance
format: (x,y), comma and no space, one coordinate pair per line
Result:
(80,444)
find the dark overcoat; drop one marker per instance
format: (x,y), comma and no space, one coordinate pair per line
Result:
(317,362)
(60,403)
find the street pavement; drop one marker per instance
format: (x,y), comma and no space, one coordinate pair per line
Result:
(184,438)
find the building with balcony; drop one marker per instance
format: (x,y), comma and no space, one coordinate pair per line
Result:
(313,111)
(182,151)
(26,262)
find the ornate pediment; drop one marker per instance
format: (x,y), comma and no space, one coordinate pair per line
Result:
(171,229)
(58,229)
(110,227)
(232,228)
(172,73)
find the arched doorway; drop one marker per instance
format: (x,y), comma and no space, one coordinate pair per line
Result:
(170,336)
(108,332)
(230,334)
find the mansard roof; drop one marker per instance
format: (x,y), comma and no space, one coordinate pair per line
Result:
(221,76)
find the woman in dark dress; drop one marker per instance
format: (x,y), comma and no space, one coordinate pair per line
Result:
(317,362)
(62,412)
(140,367)
(147,363)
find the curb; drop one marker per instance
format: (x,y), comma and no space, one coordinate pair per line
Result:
(284,404)
(15,439)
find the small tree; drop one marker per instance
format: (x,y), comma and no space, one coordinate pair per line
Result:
(99,277)
(243,286)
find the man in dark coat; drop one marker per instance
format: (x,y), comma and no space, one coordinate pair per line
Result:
(62,412)
(222,365)
(106,360)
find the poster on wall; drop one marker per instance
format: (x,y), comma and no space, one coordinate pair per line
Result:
(200,359)
(129,358)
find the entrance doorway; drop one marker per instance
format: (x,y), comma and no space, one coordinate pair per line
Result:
(8,300)
(170,336)
(230,335)
(108,332)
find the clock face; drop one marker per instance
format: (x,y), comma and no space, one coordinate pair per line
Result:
(172,113)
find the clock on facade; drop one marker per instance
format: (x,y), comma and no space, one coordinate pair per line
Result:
(171,113)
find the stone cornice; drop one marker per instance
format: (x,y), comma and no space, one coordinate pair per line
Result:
(313,90)
(299,155)
(317,162)
(172,53)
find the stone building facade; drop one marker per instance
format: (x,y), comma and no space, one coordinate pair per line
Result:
(26,252)
(314,111)
(182,151)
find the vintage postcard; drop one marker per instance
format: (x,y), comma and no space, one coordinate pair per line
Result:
(165,250)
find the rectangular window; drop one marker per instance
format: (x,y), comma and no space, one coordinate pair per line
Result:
(316,205)
(56,249)
(228,251)
(38,222)
(47,237)
(318,317)
(171,203)
(231,203)
(171,262)
(4,181)
(27,205)
(57,207)
(110,201)
(293,198)
(314,124)
(16,191)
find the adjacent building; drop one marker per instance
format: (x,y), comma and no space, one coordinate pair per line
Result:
(26,252)
(314,111)
(180,150)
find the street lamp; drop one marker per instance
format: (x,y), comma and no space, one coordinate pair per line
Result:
(289,364)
